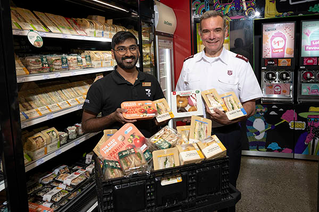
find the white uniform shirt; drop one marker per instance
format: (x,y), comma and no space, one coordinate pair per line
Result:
(228,72)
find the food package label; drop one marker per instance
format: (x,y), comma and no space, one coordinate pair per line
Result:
(189,153)
(36,154)
(201,128)
(171,180)
(212,147)
(126,137)
(164,112)
(33,207)
(234,106)
(187,103)
(139,109)
(213,100)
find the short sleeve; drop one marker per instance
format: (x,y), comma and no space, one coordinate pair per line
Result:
(93,101)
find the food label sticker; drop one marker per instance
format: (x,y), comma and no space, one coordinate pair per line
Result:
(35,39)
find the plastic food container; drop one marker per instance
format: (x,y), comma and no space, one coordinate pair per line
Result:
(72,132)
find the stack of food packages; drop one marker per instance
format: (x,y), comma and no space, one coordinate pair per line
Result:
(61,185)
(42,141)
(126,151)
(94,26)
(38,101)
(62,62)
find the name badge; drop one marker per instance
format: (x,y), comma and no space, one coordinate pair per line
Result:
(146,84)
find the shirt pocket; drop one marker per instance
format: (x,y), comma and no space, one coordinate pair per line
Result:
(193,81)
(228,84)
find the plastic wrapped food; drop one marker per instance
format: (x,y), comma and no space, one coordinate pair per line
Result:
(36,64)
(34,188)
(61,177)
(165,138)
(132,160)
(43,192)
(201,128)
(74,61)
(58,196)
(63,137)
(111,169)
(48,178)
(166,158)
(72,132)
(74,194)
(58,62)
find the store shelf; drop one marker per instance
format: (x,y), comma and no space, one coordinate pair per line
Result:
(62,149)
(2,187)
(62,36)
(93,207)
(30,122)
(60,74)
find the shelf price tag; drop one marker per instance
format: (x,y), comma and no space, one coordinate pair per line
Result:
(49,116)
(57,152)
(46,76)
(76,142)
(57,75)
(39,162)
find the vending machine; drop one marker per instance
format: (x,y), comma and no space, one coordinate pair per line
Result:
(270,130)
(307,107)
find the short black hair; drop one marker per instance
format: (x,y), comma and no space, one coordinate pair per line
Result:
(120,37)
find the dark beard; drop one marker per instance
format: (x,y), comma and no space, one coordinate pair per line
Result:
(126,66)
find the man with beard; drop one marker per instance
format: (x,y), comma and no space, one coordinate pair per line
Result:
(124,83)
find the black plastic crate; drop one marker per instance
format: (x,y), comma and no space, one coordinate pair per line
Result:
(205,184)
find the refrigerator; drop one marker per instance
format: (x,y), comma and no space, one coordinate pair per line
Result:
(165,25)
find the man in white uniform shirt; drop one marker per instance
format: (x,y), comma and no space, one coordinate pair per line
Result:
(216,67)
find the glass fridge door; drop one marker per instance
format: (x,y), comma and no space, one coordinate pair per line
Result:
(165,65)
(148,48)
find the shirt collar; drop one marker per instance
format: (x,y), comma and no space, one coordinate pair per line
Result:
(223,56)
(120,80)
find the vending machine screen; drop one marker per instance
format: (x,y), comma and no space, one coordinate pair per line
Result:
(310,40)
(278,40)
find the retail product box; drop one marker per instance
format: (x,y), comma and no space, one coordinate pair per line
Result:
(213,100)
(184,131)
(165,138)
(33,207)
(126,137)
(192,187)
(212,147)
(139,109)
(53,146)
(189,153)
(35,145)
(166,158)
(201,128)
(36,154)
(234,107)
(106,135)
(164,112)
(187,103)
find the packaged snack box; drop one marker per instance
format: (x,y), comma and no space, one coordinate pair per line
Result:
(212,147)
(132,161)
(111,169)
(184,131)
(213,100)
(126,137)
(139,109)
(201,128)
(164,112)
(189,153)
(187,103)
(166,158)
(234,107)
(165,138)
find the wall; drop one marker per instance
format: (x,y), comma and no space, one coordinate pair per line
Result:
(182,36)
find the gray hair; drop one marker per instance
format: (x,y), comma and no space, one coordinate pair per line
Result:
(212,13)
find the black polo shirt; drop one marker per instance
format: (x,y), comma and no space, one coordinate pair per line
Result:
(107,94)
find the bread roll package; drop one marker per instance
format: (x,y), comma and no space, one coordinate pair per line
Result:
(31,19)
(184,131)
(165,158)
(46,20)
(164,112)
(189,153)
(139,109)
(187,103)
(213,100)
(201,128)
(234,107)
(212,147)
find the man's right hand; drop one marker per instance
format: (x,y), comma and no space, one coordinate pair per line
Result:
(118,116)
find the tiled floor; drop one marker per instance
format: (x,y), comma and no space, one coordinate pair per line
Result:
(277,185)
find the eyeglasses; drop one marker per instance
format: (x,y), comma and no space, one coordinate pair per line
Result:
(122,50)
(312,119)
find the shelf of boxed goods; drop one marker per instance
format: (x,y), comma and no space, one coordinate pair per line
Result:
(62,36)
(29,122)
(60,150)
(61,74)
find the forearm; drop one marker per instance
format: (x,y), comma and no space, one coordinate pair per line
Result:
(96,124)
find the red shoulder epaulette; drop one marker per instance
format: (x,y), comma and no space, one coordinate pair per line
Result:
(242,57)
(189,57)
